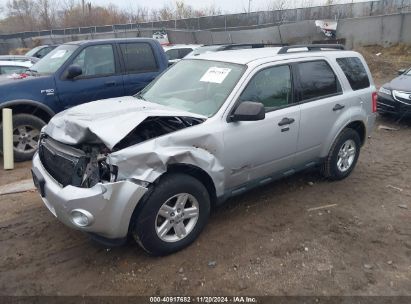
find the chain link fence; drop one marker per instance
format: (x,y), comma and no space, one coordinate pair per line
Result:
(245,20)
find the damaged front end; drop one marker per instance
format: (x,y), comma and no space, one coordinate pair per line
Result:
(82,166)
(85,165)
(95,168)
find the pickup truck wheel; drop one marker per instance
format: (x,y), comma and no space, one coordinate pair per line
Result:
(26,133)
(343,155)
(173,215)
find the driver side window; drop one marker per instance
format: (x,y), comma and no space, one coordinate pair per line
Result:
(97,60)
(272,87)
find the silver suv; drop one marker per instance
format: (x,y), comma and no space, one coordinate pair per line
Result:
(210,127)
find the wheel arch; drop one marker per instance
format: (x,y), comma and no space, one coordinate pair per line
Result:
(356,125)
(31,107)
(184,168)
(360,128)
(198,174)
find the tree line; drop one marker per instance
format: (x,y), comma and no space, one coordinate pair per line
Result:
(34,15)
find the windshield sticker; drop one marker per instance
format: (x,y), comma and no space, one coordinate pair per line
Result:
(215,75)
(59,54)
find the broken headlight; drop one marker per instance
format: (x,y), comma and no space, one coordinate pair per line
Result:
(98,170)
(108,173)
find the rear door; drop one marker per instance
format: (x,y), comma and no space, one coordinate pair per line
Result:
(140,66)
(359,82)
(101,77)
(322,104)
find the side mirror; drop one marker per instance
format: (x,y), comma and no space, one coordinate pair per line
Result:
(401,71)
(249,111)
(73,71)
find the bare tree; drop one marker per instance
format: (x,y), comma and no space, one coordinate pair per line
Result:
(275,5)
(29,15)
(306,3)
(47,11)
(166,12)
(137,14)
(280,7)
(21,15)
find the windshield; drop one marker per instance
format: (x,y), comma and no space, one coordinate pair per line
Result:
(197,86)
(54,60)
(33,51)
(408,73)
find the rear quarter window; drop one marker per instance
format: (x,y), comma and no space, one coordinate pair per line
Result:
(355,72)
(317,80)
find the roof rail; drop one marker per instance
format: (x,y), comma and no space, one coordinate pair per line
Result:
(311,47)
(251,45)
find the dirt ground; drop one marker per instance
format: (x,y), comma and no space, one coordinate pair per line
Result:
(266,242)
(384,63)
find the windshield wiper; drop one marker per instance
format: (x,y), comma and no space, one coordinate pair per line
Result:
(33,71)
(140,96)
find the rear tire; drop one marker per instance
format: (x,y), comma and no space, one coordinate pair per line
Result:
(26,133)
(343,155)
(172,215)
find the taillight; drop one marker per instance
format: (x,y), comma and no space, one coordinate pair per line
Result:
(374,102)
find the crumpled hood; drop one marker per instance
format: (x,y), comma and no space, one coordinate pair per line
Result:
(107,120)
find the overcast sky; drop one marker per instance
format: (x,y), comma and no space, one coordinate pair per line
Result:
(230,6)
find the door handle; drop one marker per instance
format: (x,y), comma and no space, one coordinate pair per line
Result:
(286,121)
(338,107)
(110,83)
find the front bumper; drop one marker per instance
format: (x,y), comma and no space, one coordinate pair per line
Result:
(387,104)
(110,204)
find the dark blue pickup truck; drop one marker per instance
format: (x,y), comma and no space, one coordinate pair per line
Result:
(75,73)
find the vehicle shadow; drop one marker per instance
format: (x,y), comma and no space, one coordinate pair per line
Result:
(399,120)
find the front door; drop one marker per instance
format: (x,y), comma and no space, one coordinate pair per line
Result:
(258,149)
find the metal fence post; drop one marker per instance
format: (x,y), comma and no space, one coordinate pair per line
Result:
(8,156)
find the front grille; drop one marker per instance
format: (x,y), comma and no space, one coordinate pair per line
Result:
(407,101)
(64,163)
(404,97)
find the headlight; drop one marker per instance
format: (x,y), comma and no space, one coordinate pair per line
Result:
(385,91)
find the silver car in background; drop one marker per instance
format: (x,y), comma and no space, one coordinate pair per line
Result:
(177,52)
(209,128)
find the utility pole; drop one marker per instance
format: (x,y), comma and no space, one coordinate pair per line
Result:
(249,6)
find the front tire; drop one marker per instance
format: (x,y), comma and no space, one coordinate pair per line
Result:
(26,134)
(172,216)
(343,155)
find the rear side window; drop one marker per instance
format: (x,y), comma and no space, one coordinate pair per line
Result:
(317,79)
(139,57)
(355,72)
